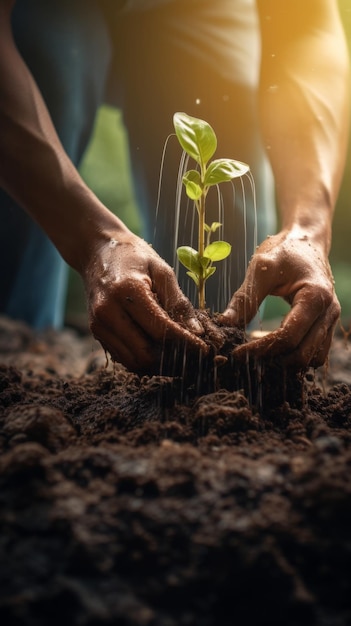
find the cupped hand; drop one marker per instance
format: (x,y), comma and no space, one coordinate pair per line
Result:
(137,309)
(295,268)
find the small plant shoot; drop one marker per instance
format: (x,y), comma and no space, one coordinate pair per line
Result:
(199,141)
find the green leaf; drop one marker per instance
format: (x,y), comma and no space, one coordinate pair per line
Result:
(192,183)
(211,270)
(194,277)
(215,226)
(190,259)
(205,261)
(218,250)
(196,137)
(222,170)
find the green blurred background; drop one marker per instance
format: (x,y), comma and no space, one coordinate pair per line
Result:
(106,169)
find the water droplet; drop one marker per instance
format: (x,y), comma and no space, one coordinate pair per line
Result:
(197,101)
(273,88)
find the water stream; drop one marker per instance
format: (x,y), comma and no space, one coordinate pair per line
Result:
(233,204)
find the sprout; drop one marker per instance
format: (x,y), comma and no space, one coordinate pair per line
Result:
(199,141)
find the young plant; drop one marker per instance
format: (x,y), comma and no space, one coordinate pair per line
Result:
(199,141)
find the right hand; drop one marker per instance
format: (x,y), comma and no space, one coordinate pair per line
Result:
(297,269)
(135,304)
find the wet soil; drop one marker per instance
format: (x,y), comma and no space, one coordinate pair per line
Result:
(134,501)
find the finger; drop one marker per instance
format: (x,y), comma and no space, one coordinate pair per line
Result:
(314,349)
(155,321)
(173,301)
(129,345)
(306,309)
(321,355)
(240,311)
(269,345)
(184,314)
(334,312)
(244,305)
(135,335)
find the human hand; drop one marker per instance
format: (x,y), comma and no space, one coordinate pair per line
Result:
(136,306)
(295,268)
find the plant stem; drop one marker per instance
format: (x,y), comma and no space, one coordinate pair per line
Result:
(201,211)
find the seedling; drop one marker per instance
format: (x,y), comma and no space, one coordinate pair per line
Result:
(199,141)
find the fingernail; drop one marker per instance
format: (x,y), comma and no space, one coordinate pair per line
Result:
(195,326)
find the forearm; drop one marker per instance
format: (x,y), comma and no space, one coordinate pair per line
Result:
(41,178)
(35,170)
(304,108)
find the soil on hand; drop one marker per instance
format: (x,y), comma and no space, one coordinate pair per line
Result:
(138,502)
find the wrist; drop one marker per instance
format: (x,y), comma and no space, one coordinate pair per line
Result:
(86,228)
(98,232)
(313,224)
(317,237)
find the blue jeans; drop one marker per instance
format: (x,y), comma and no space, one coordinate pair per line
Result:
(197,56)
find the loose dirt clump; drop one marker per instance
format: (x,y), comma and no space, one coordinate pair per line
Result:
(140,502)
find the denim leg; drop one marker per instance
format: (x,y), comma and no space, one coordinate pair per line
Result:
(66,46)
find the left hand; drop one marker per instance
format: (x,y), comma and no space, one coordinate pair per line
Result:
(136,306)
(298,270)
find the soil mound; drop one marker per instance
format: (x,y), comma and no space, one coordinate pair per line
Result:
(125,501)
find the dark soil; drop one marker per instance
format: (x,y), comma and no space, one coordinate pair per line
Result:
(139,502)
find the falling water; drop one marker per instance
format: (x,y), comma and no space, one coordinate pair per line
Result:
(232,204)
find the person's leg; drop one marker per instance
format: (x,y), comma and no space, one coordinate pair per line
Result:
(201,58)
(66,46)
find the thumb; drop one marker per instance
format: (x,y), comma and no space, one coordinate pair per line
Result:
(243,306)
(173,301)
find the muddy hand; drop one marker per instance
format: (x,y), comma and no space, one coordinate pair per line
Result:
(136,305)
(297,270)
